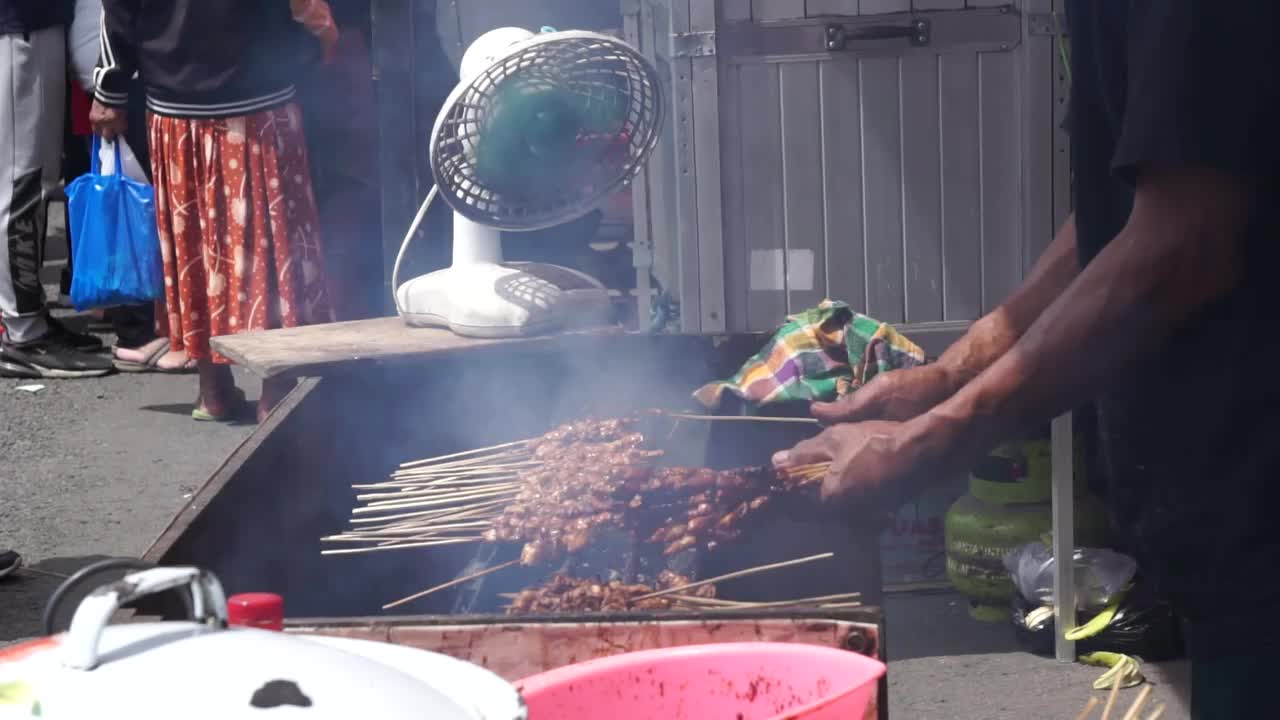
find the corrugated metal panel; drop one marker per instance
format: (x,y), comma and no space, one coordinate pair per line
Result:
(705,80)
(881,112)
(655,30)
(900,195)
(907,185)
(1001,177)
(961,193)
(937,4)
(841,137)
(805,257)
(761,149)
(736,252)
(922,189)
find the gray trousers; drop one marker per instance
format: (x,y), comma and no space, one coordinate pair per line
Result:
(33,76)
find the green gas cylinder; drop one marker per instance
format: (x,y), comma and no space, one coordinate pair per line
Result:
(1008,505)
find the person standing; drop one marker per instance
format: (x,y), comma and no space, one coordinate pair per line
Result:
(33,77)
(1156,300)
(137,348)
(239,232)
(339,105)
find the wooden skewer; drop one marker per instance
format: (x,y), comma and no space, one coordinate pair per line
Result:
(741,573)
(417,528)
(425,482)
(407,533)
(1143,696)
(709,602)
(741,418)
(1157,713)
(377,548)
(411,490)
(452,583)
(490,506)
(466,453)
(505,456)
(480,470)
(1111,698)
(483,518)
(400,481)
(394,499)
(1088,708)
(431,532)
(453,499)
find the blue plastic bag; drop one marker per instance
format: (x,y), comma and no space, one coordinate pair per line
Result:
(116,249)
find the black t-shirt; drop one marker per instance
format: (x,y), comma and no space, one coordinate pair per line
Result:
(1191,440)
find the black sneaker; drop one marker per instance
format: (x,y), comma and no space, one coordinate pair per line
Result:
(49,357)
(83,342)
(9,562)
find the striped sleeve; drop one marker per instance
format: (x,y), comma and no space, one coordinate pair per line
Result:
(117,53)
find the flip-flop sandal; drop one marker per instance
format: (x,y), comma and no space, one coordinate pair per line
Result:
(151,363)
(199,414)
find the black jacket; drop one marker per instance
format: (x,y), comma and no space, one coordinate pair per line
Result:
(24,16)
(203,58)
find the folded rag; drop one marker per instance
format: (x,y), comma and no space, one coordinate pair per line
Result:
(819,354)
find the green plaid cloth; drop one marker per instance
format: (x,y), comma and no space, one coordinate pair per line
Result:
(819,354)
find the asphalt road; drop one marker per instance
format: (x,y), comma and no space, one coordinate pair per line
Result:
(94,468)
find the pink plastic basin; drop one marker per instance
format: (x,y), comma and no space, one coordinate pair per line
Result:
(724,681)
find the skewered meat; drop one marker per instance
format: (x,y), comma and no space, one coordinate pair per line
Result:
(564,594)
(597,473)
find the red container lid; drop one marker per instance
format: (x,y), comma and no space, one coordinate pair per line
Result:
(260,610)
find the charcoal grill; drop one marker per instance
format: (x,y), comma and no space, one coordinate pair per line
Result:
(375,394)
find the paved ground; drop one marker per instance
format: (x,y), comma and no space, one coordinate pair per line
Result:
(97,468)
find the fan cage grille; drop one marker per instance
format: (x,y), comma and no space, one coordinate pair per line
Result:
(605,75)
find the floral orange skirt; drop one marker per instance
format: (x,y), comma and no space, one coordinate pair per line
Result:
(239,233)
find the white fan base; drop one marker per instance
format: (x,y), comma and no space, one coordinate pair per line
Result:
(488,300)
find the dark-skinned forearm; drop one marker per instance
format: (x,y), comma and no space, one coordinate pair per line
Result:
(992,335)
(1167,263)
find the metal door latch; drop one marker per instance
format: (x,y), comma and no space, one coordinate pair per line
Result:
(839,37)
(693,44)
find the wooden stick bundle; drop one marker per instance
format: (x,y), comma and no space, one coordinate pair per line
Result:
(1132,713)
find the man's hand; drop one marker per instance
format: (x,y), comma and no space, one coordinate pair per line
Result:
(895,395)
(109,122)
(865,457)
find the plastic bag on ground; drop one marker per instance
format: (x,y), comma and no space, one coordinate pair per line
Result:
(1099,574)
(117,248)
(1144,626)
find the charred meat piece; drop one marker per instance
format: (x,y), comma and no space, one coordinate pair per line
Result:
(687,542)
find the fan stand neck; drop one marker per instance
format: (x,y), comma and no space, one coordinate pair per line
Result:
(474,243)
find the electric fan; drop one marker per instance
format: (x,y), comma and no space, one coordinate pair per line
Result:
(541,129)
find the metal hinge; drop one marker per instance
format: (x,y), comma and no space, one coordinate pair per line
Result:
(693,44)
(1046,24)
